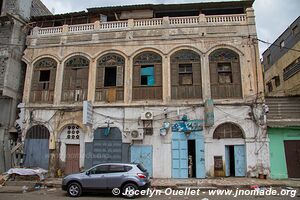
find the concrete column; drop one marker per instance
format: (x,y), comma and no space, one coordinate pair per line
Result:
(27,84)
(166,79)
(128,80)
(205,76)
(92,81)
(251,21)
(58,83)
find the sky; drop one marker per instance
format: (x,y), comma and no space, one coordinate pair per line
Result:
(272,16)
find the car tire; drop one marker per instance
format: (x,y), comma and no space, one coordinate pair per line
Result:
(74,189)
(130,186)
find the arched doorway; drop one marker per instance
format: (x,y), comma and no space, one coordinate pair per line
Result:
(70,138)
(37,147)
(231,137)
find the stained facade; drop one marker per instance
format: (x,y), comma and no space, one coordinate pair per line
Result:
(171,92)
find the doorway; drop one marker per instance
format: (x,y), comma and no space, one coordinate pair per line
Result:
(191,158)
(235,160)
(72,158)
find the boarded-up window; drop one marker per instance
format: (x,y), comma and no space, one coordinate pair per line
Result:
(227,130)
(75,82)
(186,75)
(225,74)
(110,78)
(43,81)
(147,76)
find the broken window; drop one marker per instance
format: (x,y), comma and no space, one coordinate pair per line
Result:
(224,73)
(282,44)
(185,74)
(268,59)
(277,81)
(44,76)
(147,75)
(295,30)
(110,77)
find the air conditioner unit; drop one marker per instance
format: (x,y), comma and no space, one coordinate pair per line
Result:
(147,115)
(136,135)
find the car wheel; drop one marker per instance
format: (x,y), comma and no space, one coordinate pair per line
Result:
(74,189)
(129,187)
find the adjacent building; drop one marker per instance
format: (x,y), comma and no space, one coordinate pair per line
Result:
(281,62)
(14,17)
(177,87)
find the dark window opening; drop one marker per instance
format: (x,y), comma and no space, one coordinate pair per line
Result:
(110,77)
(147,75)
(231,161)
(270,87)
(277,80)
(226,11)
(224,73)
(185,74)
(44,76)
(191,159)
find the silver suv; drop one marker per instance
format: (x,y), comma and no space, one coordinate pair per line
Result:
(108,176)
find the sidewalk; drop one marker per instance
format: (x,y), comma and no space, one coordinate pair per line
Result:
(210,183)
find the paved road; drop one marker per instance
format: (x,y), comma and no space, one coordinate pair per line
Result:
(57,194)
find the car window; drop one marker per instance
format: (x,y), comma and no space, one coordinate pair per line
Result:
(102,169)
(116,168)
(141,167)
(127,168)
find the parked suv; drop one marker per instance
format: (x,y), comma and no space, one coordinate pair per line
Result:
(107,177)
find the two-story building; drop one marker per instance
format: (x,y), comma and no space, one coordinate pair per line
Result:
(176,87)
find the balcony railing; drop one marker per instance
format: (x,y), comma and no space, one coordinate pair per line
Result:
(46,96)
(131,24)
(109,94)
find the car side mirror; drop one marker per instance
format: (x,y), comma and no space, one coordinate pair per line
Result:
(88,173)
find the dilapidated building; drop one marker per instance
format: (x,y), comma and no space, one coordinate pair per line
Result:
(14,16)
(177,87)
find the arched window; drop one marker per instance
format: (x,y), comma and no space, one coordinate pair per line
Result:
(110,78)
(75,82)
(227,130)
(147,76)
(38,132)
(43,81)
(225,74)
(186,75)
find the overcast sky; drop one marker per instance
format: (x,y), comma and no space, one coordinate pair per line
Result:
(272,16)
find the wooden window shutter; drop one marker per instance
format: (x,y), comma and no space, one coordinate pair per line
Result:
(120,76)
(136,75)
(158,74)
(174,74)
(197,74)
(52,79)
(35,80)
(213,72)
(236,72)
(100,77)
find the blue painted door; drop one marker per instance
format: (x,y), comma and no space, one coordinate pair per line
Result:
(240,160)
(37,153)
(179,156)
(227,160)
(142,154)
(200,161)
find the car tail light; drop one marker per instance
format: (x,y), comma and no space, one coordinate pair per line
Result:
(141,175)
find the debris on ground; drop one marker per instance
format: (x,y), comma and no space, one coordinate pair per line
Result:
(25,173)
(3,179)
